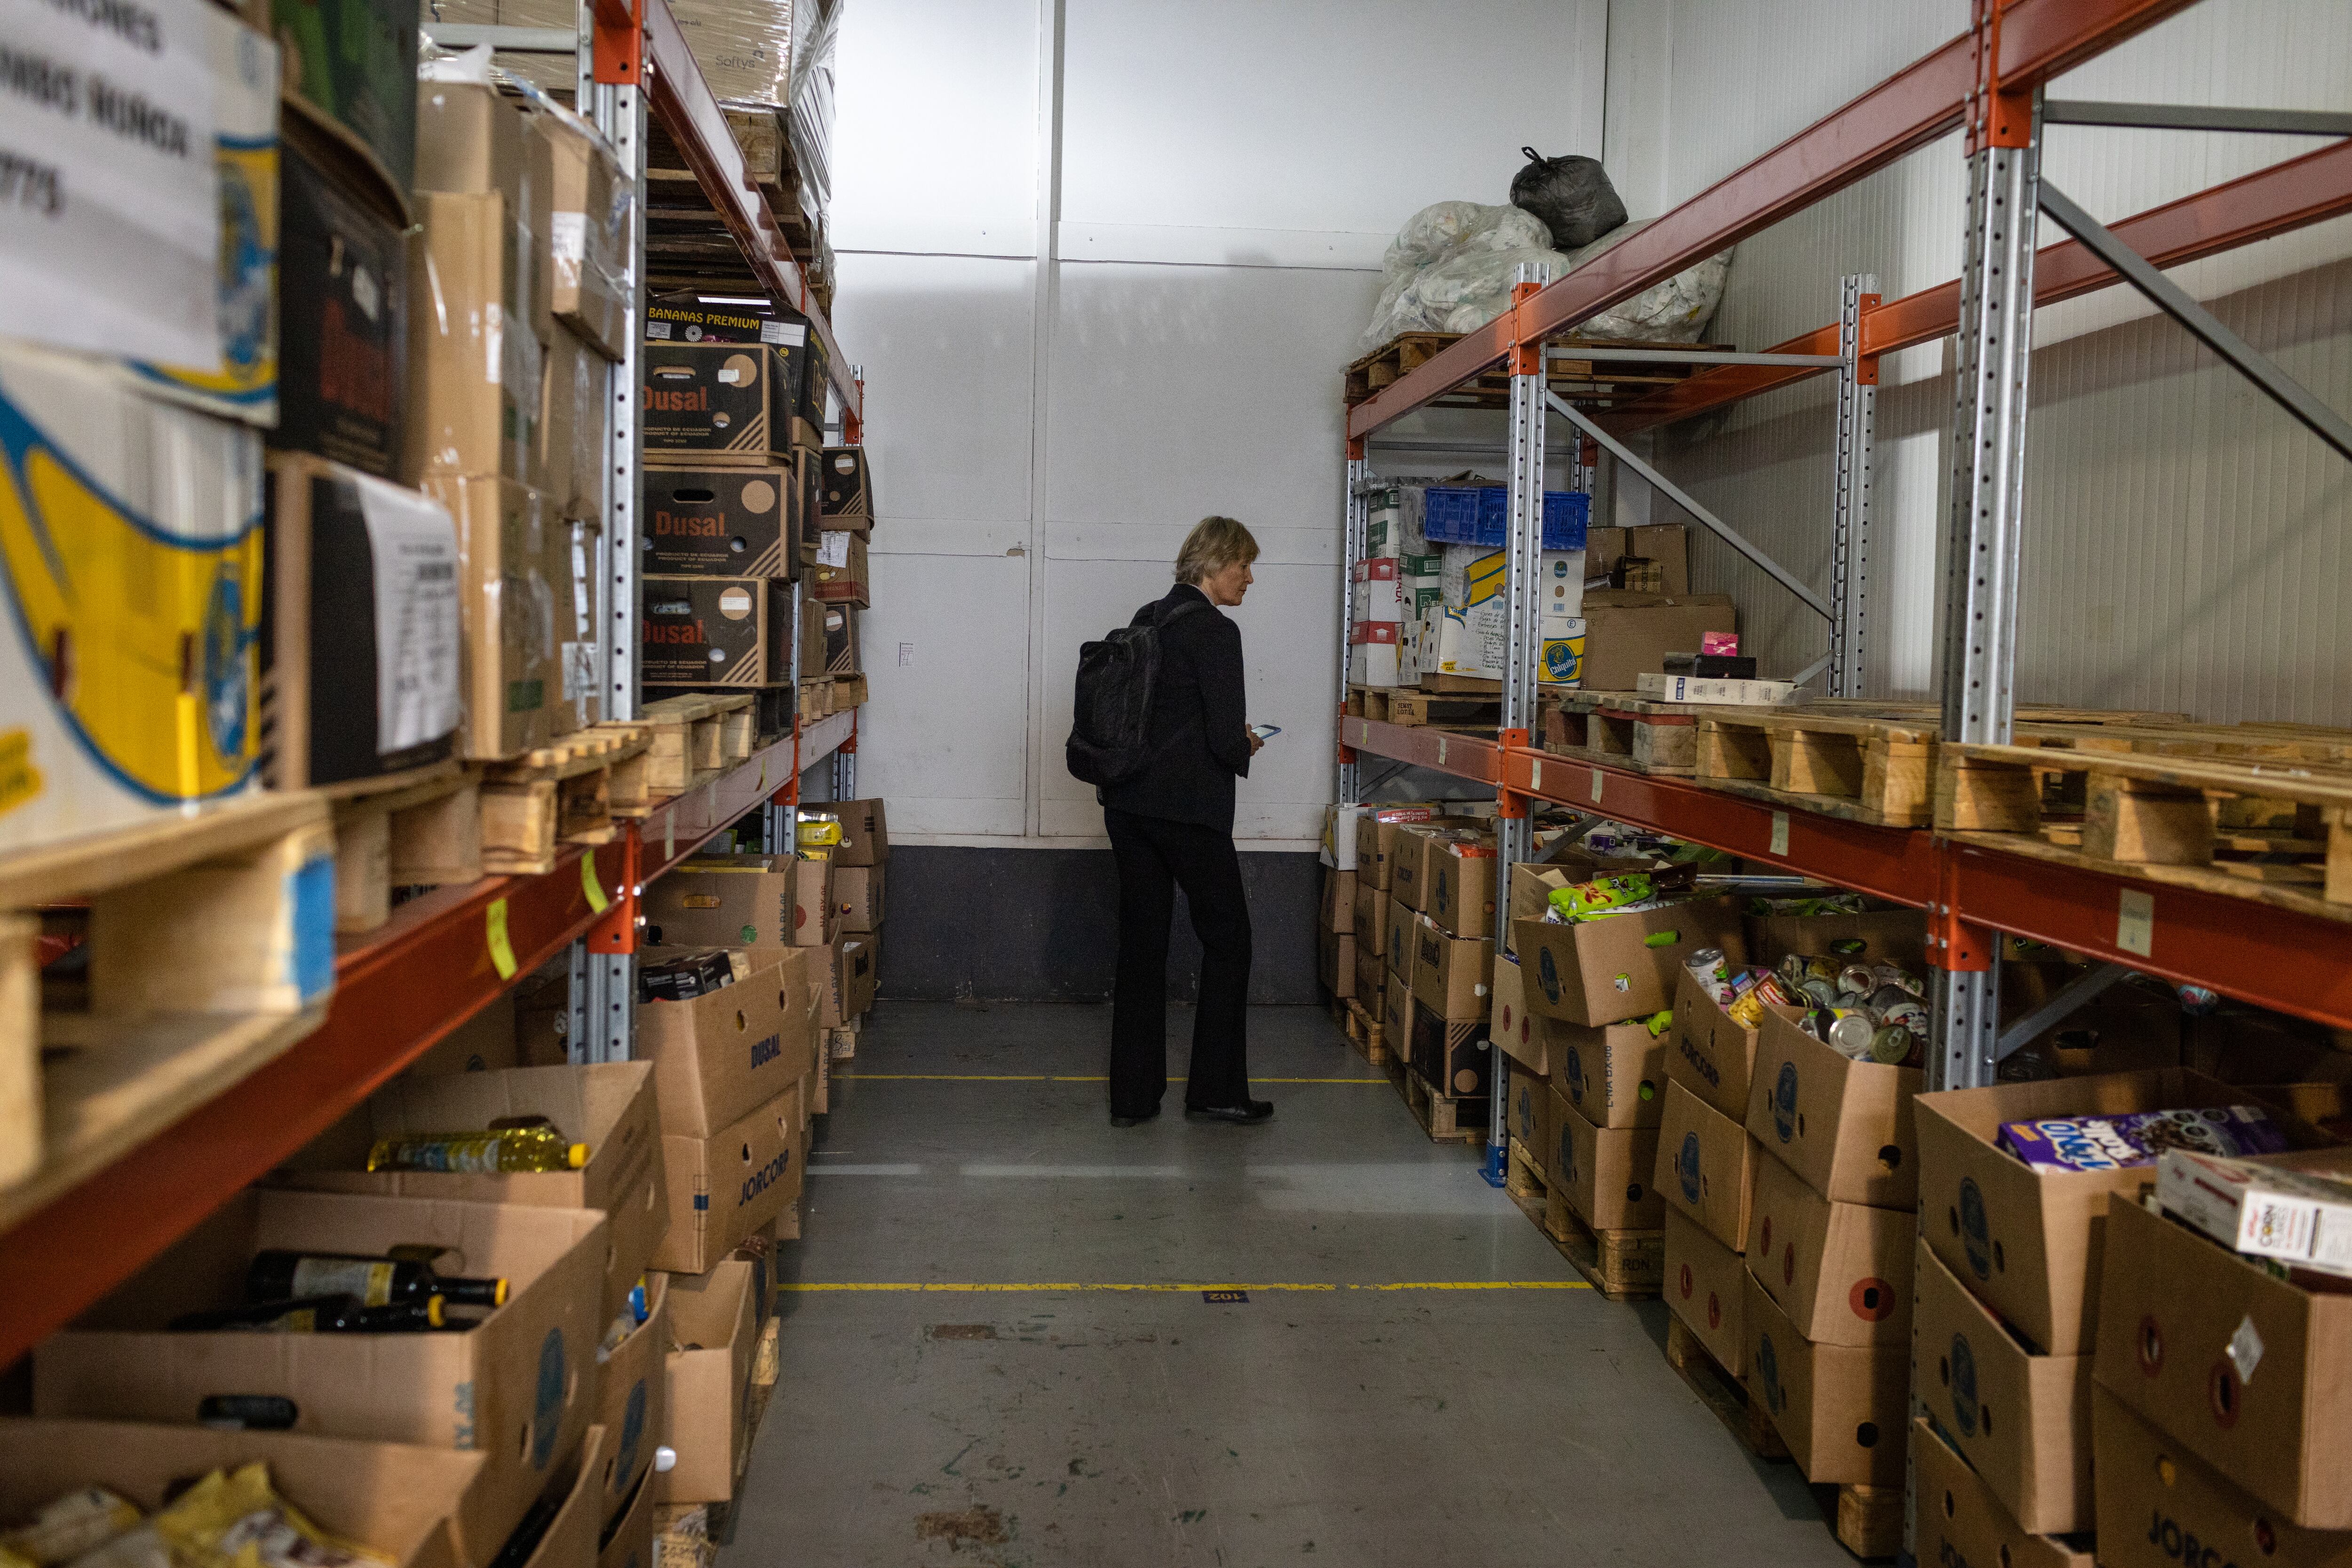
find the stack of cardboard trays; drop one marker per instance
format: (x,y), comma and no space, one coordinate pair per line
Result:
(2085,1363)
(1440,935)
(1359,845)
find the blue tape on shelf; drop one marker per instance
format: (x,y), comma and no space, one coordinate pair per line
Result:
(1480,514)
(311,892)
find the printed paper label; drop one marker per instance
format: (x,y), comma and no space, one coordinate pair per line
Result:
(833,549)
(567,237)
(2136,921)
(414,547)
(790,334)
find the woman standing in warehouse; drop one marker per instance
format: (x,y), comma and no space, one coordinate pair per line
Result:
(1171,825)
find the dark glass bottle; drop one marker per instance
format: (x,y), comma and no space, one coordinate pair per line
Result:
(376,1280)
(335,1314)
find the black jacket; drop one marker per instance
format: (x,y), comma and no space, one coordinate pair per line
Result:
(1198,729)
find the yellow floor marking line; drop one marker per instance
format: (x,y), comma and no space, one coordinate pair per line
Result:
(1042,1077)
(1187,1290)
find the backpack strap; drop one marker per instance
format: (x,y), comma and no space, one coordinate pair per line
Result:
(1168,617)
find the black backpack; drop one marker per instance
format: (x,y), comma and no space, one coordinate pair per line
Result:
(1116,681)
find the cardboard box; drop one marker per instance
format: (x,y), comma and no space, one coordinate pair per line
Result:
(1335,961)
(582,284)
(350,64)
(1614,1076)
(1607,1172)
(2160,1506)
(1396,1016)
(1665,546)
(344,342)
(1706,1289)
(840,574)
(1532,1117)
(628,1540)
(1378,833)
(743,900)
(346,694)
(1406,857)
(474,380)
(1524,1037)
(834,627)
(517,1387)
(721,1055)
(393,1499)
(852,971)
(865,834)
(1400,945)
(471,140)
(1462,888)
(571,460)
(858,897)
(1530,886)
(846,501)
(1452,1056)
(726,1185)
(1840,1272)
(1961,1521)
(608,1105)
(1707,1166)
(717,631)
(1628,632)
(1339,901)
(685,318)
(721,522)
(1714,1056)
(1843,1410)
(1370,919)
(2251,1372)
(730,403)
(2026,1240)
(1843,1125)
(712,1317)
(1607,971)
(1450,974)
(515,572)
(1372,978)
(2022,1421)
(633,1402)
(1888,936)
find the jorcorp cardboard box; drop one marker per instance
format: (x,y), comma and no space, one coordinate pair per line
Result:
(1614,1076)
(1407,857)
(1713,1055)
(1607,971)
(1451,974)
(1338,909)
(1371,917)
(858,897)
(1524,1037)
(726,1185)
(713,1318)
(1377,833)
(1530,1108)
(743,900)
(1335,961)
(517,1387)
(1888,936)
(717,631)
(2027,1239)
(1843,1410)
(724,403)
(1844,1126)
(1840,1272)
(1961,1521)
(2251,1373)
(1707,1166)
(2162,1506)
(393,1499)
(609,1106)
(1608,1175)
(344,343)
(864,833)
(474,374)
(848,499)
(1371,977)
(631,1401)
(1396,1016)
(1401,922)
(346,694)
(1705,1288)
(719,522)
(1628,632)
(718,1056)
(2022,1421)
(629,1542)
(1462,888)
(515,575)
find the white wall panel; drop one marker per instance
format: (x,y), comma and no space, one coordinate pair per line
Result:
(935,127)
(947,343)
(1247,114)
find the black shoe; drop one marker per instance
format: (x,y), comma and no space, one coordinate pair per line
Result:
(1247,1112)
(1134,1121)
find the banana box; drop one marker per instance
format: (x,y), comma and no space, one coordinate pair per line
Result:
(130,546)
(244,384)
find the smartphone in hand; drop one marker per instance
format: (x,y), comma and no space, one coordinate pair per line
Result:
(1265,731)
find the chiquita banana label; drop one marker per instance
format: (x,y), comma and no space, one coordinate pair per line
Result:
(129,532)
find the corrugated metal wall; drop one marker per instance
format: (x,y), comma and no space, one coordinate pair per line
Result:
(2185,539)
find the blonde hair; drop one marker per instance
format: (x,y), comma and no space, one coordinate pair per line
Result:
(1214,543)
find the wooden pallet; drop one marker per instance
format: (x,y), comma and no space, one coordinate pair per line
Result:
(1622,1265)
(695,734)
(1619,730)
(2269,832)
(1591,380)
(1364,1031)
(1446,1121)
(1470,711)
(208,951)
(418,828)
(1878,770)
(1526,1181)
(561,793)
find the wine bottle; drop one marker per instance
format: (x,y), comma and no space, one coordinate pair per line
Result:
(490,1152)
(377,1281)
(338,1313)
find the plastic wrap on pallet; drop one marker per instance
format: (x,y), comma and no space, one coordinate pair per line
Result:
(811,118)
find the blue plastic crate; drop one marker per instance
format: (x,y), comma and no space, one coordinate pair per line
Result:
(1479,514)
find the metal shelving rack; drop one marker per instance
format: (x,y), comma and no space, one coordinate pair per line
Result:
(402,989)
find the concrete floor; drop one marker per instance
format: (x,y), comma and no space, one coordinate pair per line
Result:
(1058,1422)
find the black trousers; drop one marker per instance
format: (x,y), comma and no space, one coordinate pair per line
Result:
(1155,857)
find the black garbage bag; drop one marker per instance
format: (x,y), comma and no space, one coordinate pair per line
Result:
(1572,194)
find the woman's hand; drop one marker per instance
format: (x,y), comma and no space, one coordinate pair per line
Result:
(1257,742)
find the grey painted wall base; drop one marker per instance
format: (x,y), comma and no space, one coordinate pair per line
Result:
(1042,925)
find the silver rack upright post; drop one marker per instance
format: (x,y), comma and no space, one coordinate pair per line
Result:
(1857,414)
(1357,474)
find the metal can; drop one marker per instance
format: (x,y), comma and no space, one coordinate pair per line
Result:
(1852,1032)
(1909,1015)
(1893,1045)
(1824,991)
(1855,980)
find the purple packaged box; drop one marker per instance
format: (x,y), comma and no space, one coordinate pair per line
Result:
(2139,1137)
